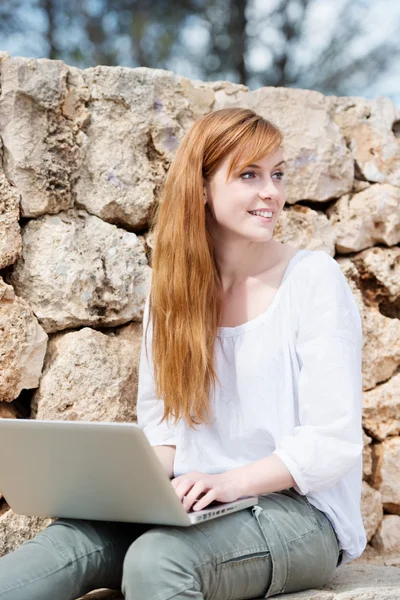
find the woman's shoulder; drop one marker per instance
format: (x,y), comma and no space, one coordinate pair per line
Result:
(316,275)
(321,283)
(322,291)
(316,264)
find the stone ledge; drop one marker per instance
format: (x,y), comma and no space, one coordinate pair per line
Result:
(350,582)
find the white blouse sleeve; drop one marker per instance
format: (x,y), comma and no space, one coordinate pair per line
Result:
(149,407)
(328,442)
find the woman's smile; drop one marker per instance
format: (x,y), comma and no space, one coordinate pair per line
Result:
(265,220)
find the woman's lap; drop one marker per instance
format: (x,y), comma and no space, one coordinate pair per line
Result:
(220,559)
(284,545)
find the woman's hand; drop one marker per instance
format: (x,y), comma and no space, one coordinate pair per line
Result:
(223,487)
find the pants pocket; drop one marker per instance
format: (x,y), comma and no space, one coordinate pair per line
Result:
(245,576)
(313,560)
(301,542)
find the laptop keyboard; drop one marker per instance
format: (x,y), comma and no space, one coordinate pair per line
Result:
(212,504)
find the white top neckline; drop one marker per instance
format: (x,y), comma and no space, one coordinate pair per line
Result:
(239,329)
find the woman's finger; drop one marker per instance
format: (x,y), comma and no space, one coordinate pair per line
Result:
(206,500)
(197,491)
(183,488)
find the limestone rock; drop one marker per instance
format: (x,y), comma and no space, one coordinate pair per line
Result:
(350,582)
(367,456)
(379,278)
(150,240)
(381,334)
(138,117)
(367,126)
(319,167)
(303,227)
(381,409)
(22,345)
(103,594)
(41,115)
(372,556)
(385,473)
(77,270)
(7,411)
(387,537)
(371,509)
(367,218)
(147,250)
(359,186)
(3,505)
(350,271)
(90,375)
(16,529)
(355,582)
(10,235)
(381,349)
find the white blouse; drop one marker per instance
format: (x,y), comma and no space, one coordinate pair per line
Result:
(291,386)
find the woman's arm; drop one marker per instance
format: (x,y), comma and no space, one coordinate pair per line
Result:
(150,409)
(166,456)
(327,443)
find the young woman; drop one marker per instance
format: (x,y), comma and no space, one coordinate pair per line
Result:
(251,385)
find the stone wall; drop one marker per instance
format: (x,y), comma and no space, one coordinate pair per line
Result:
(83,155)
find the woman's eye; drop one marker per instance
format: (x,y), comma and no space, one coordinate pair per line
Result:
(280,173)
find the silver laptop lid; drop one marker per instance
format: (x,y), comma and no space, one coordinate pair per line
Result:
(89,470)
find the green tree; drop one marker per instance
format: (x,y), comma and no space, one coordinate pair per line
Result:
(162,34)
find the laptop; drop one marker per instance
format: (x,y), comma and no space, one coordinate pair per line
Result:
(92,470)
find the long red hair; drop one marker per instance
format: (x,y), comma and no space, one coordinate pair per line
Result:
(184,302)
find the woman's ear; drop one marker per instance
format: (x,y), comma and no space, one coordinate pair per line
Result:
(205,193)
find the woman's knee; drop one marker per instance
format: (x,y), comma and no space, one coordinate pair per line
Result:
(95,549)
(79,537)
(162,559)
(35,570)
(66,558)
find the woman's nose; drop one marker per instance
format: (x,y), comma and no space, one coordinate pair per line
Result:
(270,189)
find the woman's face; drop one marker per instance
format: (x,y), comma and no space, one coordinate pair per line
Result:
(255,187)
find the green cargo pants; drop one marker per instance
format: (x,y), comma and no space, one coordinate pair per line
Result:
(284,544)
